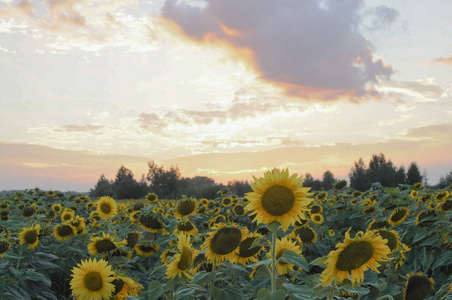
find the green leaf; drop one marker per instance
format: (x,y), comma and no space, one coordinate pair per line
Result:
(43,265)
(293,258)
(274,226)
(220,294)
(301,290)
(262,242)
(319,262)
(235,292)
(276,295)
(156,289)
(386,297)
(34,276)
(202,277)
(321,291)
(444,259)
(260,263)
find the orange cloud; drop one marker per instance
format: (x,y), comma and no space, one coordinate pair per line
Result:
(441,60)
(231,31)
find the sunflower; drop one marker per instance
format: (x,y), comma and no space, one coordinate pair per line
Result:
(30,236)
(90,205)
(246,254)
(423,215)
(331,232)
(398,215)
(187,227)
(400,260)
(445,206)
(4,246)
(223,241)
(377,225)
(369,210)
(67,215)
(152,223)
(418,287)
(124,287)
(106,243)
(285,244)
(340,184)
(278,197)
(317,218)
(107,207)
(305,233)
(152,197)
(146,248)
(183,260)
(28,211)
(201,210)
(186,207)
(316,209)
(392,237)
(238,210)
(227,201)
(132,238)
(169,252)
(92,279)
(204,201)
(414,194)
(418,185)
(441,196)
(64,231)
(355,256)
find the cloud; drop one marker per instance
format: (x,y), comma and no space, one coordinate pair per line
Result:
(91,26)
(381,17)
(308,49)
(441,60)
(79,128)
(421,90)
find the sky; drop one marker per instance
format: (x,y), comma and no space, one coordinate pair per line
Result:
(225,89)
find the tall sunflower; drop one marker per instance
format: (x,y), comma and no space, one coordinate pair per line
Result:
(30,236)
(278,197)
(355,256)
(92,280)
(223,241)
(391,236)
(4,246)
(183,260)
(107,207)
(418,287)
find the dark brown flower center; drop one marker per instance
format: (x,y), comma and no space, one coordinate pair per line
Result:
(93,281)
(226,240)
(354,256)
(186,259)
(278,200)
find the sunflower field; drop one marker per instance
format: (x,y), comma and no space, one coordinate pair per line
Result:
(281,241)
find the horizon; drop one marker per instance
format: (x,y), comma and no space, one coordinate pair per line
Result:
(225,90)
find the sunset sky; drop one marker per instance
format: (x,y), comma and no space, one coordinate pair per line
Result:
(225,89)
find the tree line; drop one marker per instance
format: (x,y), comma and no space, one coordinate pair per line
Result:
(168,183)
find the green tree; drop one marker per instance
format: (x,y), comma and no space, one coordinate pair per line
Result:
(163,182)
(103,188)
(358,176)
(445,181)
(328,180)
(314,184)
(401,175)
(413,174)
(382,171)
(126,187)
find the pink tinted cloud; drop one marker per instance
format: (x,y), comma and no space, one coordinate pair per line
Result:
(306,48)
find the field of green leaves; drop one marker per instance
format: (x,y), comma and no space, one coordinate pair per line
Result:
(278,242)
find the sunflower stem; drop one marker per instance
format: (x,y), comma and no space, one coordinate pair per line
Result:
(273,275)
(214,271)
